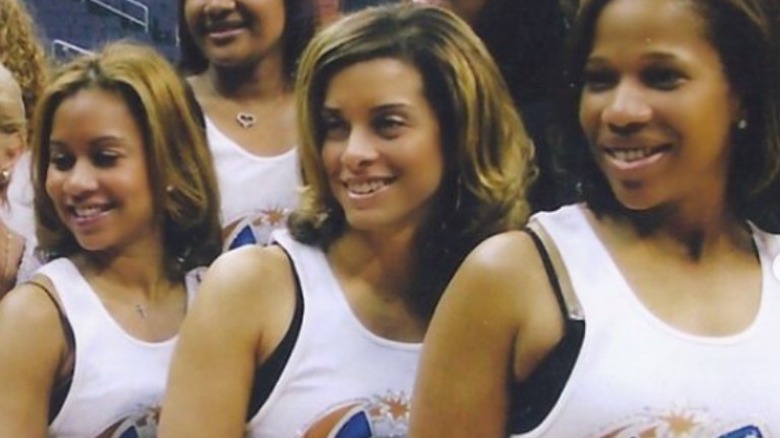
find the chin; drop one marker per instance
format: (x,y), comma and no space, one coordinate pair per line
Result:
(636,200)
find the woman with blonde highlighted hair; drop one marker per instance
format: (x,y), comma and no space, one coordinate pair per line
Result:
(412,153)
(126,202)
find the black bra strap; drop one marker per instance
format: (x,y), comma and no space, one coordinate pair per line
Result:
(267,375)
(550,270)
(556,271)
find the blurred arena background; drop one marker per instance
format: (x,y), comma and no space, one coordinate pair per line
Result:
(70,27)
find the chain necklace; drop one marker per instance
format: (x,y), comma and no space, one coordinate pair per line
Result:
(141,311)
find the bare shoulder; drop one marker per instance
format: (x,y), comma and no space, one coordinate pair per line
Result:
(28,306)
(508,263)
(31,330)
(249,291)
(504,281)
(247,273)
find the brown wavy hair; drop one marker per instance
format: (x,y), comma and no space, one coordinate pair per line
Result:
(181,173)
(488,155)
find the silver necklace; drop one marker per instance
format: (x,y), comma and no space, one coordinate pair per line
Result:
(141,311)
(246,120)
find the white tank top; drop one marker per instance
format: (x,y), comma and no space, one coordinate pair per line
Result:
(118,380)
(340,379)
(637,376)
(257,193)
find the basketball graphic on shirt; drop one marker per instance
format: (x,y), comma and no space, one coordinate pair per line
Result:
(141,425)
(254,228)
(680,423)
(380,416)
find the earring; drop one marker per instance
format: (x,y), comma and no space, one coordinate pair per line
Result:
(5,177)
(742,124)
(169,188)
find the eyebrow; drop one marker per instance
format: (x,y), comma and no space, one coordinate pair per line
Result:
(652,56)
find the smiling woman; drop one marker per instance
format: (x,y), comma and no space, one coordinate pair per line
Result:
(412,153)
(126,202)
(663,275)
(240,58)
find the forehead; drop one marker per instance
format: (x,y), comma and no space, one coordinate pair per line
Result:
(378,78)
(649,19)
(642,27)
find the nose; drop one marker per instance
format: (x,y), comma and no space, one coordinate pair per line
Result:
(359,150)
(80,180)
(627,109)
(212,7)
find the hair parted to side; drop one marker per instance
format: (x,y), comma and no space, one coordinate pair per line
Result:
(300,23)
(745,35)
(488,156)
(21,51)
(178,160)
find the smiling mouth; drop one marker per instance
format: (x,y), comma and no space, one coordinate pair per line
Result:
(631,155)
(364,188)
(88,212)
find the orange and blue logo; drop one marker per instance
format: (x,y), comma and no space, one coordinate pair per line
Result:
(379,416)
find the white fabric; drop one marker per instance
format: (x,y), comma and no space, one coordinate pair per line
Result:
(257,192)
(118,380)
(638,376)
(18,214)
(340,378)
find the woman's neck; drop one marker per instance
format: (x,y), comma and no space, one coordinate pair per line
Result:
(691,232)
(263,80)
(380,259)
(141,271)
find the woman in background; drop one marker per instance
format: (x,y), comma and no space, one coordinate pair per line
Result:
(240,59)
(22,53)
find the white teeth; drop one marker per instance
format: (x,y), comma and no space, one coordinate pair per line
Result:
(85,212)
(366,187)
(630,155)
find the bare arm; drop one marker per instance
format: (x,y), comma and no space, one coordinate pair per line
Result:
(496,320)
(242,311)
(32,347)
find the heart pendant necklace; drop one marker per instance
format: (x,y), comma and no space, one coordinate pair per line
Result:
(246,120)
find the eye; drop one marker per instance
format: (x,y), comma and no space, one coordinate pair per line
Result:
(596,80)
(105,158)
(662,78)
(62,161)
(389,126)
(334,128)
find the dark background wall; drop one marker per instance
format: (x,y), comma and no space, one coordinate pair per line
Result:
(70,26)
